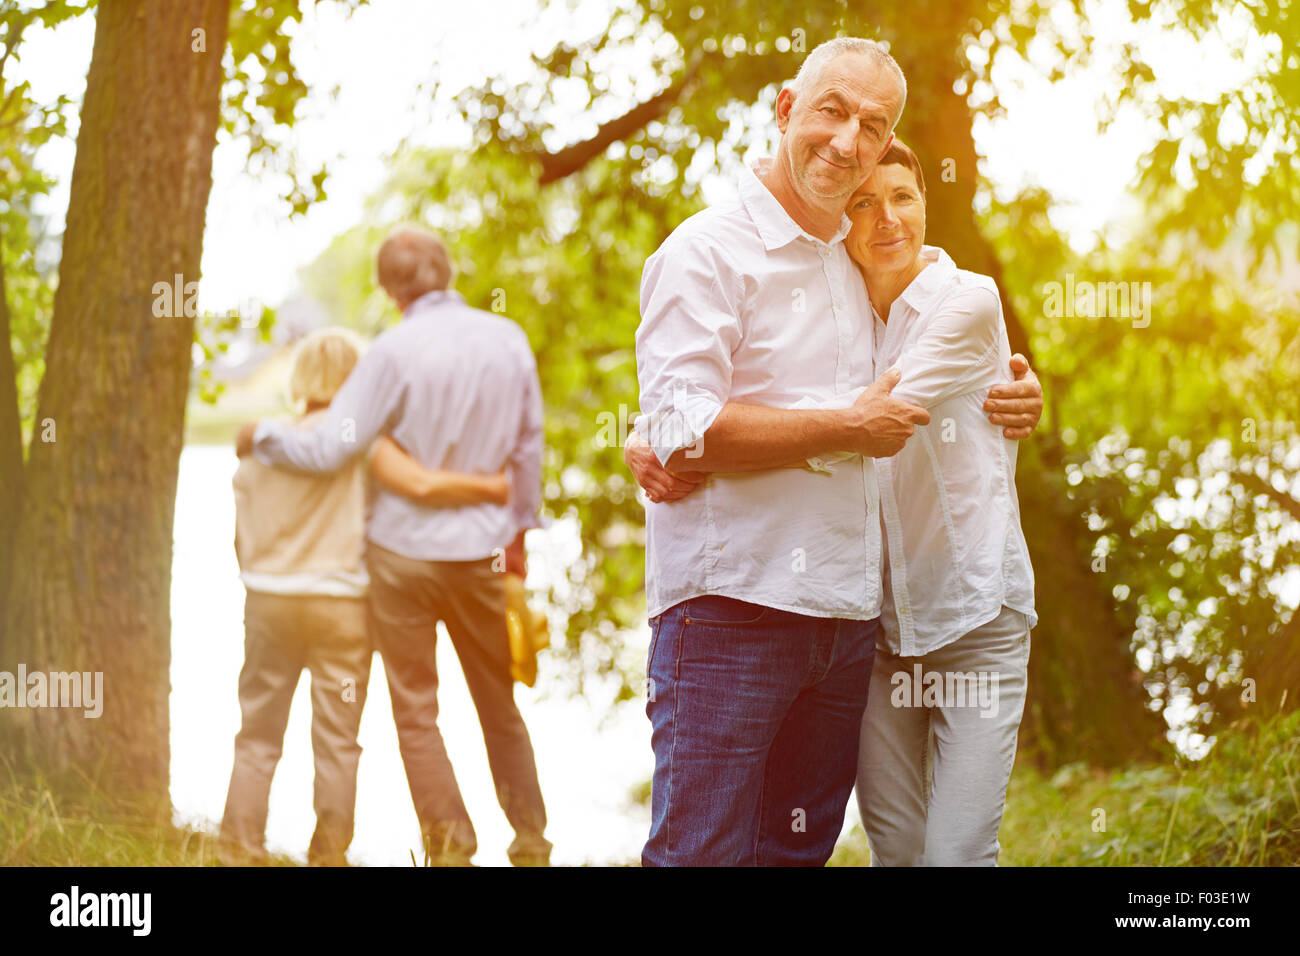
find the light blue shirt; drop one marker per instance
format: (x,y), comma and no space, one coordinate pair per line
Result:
(457,388)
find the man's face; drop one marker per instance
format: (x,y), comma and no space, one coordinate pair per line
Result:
(835,130)
(888,215)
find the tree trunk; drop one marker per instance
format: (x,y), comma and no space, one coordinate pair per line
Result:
(92,576)
(11,450)
(937,125)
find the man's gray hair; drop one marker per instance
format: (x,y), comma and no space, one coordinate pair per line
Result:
(413,261)
(822,54)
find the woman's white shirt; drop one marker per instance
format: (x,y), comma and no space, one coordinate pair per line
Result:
(954,549)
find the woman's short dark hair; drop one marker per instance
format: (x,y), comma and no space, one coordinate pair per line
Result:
(899,154)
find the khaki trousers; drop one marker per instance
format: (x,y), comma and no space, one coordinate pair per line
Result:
(284,634)
(408,598)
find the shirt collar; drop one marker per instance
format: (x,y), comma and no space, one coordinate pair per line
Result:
(433,299)
(931,280)
(775,226)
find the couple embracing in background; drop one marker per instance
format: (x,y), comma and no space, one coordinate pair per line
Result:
(444,412)
(829,409)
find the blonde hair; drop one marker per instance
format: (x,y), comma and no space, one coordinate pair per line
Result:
(413,261)
(322,362)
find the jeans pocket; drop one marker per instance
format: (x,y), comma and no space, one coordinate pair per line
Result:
(655,625)
(714,610)
(648,687)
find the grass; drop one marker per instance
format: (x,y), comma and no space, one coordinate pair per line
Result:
(70,823)
(1240,806)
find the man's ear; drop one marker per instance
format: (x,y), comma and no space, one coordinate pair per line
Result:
(888,143)
(784,103)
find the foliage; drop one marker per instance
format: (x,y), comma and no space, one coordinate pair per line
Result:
(214,333)
(263,91)
(1238,807)
(1176,437)
(25,126)
(261,96)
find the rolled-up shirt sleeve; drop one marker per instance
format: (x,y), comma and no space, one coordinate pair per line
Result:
(525,462)
(367,405)
(957,353)
(690,326)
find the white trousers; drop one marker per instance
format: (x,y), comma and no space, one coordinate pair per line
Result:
(938,742)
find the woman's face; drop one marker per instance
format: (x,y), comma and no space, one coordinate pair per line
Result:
(888,216)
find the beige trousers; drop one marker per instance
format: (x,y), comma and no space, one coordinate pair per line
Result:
(408,598)
(284,634)
(937,745)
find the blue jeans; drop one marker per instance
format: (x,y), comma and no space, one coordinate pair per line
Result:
(756,716)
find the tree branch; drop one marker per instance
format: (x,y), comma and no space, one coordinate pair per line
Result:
(569,160)
(13,38)
(1257,485)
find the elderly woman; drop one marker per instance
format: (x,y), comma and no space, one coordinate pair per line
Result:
(948,686)
(299,538)
(948,682)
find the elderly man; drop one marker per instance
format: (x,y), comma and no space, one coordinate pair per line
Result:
(458,389)
(764,589)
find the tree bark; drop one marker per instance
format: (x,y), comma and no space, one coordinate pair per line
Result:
(90,590)
(11,450)
(937,126)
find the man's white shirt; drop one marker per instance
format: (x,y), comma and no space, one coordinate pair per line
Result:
(740,304)
(955,549)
